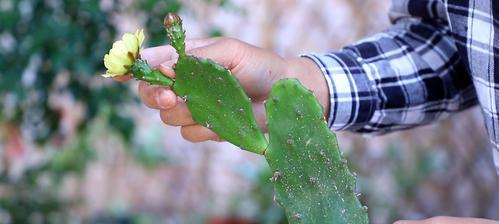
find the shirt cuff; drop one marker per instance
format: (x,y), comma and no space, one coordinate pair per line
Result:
(351,91)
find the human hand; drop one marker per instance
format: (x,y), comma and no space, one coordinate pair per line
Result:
(257,69)
(448,220)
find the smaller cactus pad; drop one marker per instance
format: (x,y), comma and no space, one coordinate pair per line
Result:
(213,95)
(141,71)
(312,181)
(217,101)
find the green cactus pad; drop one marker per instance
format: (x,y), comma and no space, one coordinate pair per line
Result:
(312,181)
(217,101)
(141,71)
(213,95)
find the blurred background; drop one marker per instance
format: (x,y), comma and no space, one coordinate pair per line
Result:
(77,148)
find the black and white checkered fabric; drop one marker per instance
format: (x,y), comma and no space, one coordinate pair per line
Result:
(439,57)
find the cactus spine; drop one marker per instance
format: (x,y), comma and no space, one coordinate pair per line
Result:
(311,179)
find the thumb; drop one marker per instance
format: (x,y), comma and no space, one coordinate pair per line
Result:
(227,52)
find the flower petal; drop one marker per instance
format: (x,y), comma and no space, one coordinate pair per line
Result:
(140,36)
(114,67)
(123,58)
(118,60)
(131,43)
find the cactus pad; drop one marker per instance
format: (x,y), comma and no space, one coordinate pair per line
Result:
(217,101)
(312,181)
(213,95)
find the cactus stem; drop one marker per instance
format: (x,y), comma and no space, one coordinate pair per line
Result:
(141,71)
(175,32)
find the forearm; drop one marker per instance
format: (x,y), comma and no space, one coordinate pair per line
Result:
(449,220)
(407,76)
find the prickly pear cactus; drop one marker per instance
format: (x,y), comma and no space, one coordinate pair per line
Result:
(213,96)
(312,181)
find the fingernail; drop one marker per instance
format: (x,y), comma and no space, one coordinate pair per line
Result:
(167,68)
(163,99)
(144,54)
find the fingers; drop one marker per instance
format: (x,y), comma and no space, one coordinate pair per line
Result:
(166,68)
(190,130)
(408,222)
(122,78)
(259,111)
(174,112)
(197,43)
(177,116)
(155,56)
(447,220)
(224,52)
(198,133)
(157,97)
(193,132)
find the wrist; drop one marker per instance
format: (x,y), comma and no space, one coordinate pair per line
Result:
(310,75)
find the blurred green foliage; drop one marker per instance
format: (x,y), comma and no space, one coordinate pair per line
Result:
(44,40)
(154,11)
(40,41)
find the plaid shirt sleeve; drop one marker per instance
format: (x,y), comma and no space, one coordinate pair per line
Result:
(407,76)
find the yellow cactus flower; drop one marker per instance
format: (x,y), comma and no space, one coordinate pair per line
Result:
(123,54)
